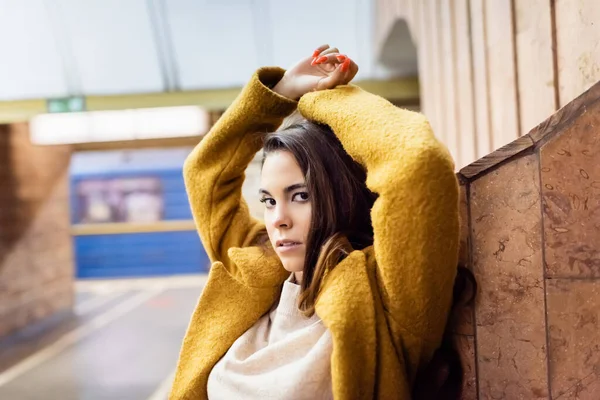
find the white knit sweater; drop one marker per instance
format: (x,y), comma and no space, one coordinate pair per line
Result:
(283,356)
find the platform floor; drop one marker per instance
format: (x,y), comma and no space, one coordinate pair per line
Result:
(121,342)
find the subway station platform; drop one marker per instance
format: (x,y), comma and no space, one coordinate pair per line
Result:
(121,342)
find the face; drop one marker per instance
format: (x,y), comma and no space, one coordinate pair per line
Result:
(287,208)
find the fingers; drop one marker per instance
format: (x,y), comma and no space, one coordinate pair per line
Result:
(329,51)
(327,58)
(342,75)
(350,70)
(346,64)
(341,68)
(320,49)
(334,79)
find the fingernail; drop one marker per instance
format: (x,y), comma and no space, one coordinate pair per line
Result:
(321,59)
(346,65)
(341,58)
(313,62)
(316,53)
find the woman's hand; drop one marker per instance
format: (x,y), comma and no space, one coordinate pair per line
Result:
(325,69)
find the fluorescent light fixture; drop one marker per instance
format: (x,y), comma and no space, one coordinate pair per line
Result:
(106,126)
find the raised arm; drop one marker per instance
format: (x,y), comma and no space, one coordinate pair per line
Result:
(415,217)
(214,171)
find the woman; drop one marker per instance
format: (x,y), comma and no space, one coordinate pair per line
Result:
(332,302)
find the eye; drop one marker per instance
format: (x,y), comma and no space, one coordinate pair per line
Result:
(268,202)
(301,197)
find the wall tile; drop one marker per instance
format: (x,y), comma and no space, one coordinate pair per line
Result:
(570,174)
(574,326)
(507,262)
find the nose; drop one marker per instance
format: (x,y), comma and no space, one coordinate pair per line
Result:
(281,218)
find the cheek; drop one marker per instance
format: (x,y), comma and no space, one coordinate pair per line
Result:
(306,218)
(268,223)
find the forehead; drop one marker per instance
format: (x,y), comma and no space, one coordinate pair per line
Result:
(280,170)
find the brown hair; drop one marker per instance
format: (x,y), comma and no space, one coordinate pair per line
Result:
(341,202)
(341,222)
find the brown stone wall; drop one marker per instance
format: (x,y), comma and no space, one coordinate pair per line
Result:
(531,235)
(36,254)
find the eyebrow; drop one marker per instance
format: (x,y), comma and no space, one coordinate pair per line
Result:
(288,189)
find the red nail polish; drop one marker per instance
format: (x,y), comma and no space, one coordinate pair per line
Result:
(321,59)
(341,58)
(316,53)
(346,65)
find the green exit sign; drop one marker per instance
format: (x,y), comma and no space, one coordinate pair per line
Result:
(65,104)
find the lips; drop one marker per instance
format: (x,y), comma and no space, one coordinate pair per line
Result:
(286,243)
(284,247)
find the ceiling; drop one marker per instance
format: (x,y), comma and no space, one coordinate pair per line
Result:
(60,48)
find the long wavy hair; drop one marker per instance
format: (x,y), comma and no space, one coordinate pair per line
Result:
(341,222)
(341,202)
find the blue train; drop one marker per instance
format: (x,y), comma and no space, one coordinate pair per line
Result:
(130,215)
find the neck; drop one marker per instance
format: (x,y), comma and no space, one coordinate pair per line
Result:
(297,278)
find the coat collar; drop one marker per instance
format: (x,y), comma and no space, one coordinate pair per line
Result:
(345,292)
(257,267)
(235,298)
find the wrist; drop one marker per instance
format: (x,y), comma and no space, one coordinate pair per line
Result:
(283,88)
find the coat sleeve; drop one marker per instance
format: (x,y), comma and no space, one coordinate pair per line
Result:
(214,171)
(415,217)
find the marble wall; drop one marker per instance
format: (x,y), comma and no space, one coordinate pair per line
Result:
(531,236)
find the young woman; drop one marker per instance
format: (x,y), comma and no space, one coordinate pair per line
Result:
(344,290)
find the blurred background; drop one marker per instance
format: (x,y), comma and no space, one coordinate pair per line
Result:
(101,101)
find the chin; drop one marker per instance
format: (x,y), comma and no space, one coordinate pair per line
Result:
(293,268)
(293,265)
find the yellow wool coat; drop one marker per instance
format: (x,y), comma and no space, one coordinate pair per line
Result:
(386,306)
